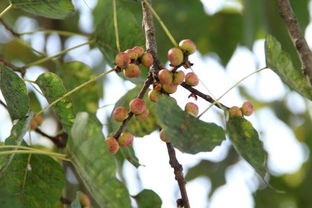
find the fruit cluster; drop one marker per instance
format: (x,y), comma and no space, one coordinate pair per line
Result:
(245,110)
(129,61)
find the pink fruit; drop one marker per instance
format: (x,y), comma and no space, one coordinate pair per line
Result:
(165,76)
(132,54)
(139,50)
(154,95)
(120,113)
(175,56)
(163,137)
(170,88)
(147,60)
(85,200)
(122,60)
(142,116)
(235,111)
(191,79)
(188,46)
(132,71)
(125,139)
(247,108)
(178,77)
(112,145)
(191,108)
(137,106)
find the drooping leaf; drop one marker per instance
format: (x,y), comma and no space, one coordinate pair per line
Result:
(94,164)
(52,87)
(280,62)
(56,9)
(36,181)
(128,154)
(186,132)
(139,129)
(34,102)
(148,199)
(14,92)
(86,99)
(246,142)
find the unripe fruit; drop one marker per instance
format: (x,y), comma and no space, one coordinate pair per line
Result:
(137,106)
(112,145)
(142,116)
(191,108)
(165,76)
(125,139)
(191,79)
(132,54)
(132,71)
(175,56)
(170,88)
(178,77)
(247,108)
(85,200)
(139,50)
(163,137)
(235,111)
(147,60)
(120,113)
(154,95)
(122,60)
(188,46)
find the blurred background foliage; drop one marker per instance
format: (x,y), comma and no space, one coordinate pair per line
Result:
(238,23)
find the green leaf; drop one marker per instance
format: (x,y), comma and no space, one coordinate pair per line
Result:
(148,199)
(76,202)
(246,142)
(280,62)
(186,132)
(14,92)
(128,154)
(95,166)
(52,88)
(86,99)
(36,181)
(56,9)
(139,129)
(8,200)
(35,105)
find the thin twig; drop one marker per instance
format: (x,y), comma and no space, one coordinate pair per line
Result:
(59,140)
(13,67)
(8,28)
(296,36)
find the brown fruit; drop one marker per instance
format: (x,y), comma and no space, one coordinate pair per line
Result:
(188,46)
(112,145)
(139,50)
(191,79)
(175,56)
(36,121)
(247,108)
(154,95)
(122,60)
(137,106)
(147,60)
(120,113)
(170,88)
(191,108)
(132,71)
(163,137)
(125,139)
(178,77)
(142,116)
(165,76)
(235,111)
(132,54)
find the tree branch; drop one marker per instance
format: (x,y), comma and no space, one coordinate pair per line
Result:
(296,36)
(9,64)
(59,140)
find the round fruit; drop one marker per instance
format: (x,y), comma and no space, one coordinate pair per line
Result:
(175,56)
(112,145)
(85,200)
(132,54)
(191,79)
(235,111)
(36,121)
(120,113)
(125,139)
(178,77)
(191,108)
(142,116)
(165,76)
(137,106)
(132,71)
(122,60)
(139,50)
(188,46)
(170,88)
(247,108)
(147,60)
(163,137)
(154,95)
